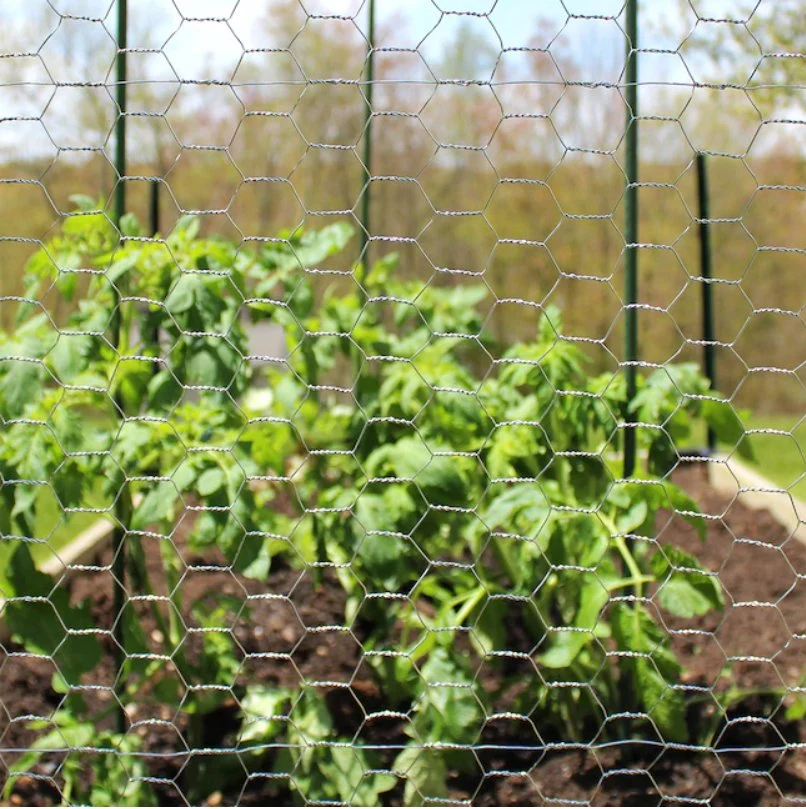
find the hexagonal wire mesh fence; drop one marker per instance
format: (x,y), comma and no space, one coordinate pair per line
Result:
(356,358)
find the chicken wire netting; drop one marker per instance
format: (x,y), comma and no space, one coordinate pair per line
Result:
(384,420)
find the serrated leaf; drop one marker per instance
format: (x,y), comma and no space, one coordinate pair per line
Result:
(684,590)
(69,356)
(653,668)
(565,645)
(22,385)
(261,707)
(525,502)
(43,625)
(663,704)
(425,772)
(157,505)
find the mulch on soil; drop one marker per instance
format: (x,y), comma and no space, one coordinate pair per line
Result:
(754,650)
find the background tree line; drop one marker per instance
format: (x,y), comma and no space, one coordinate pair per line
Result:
(487,161)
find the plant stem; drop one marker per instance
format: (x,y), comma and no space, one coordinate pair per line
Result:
(632,565)
(533,622)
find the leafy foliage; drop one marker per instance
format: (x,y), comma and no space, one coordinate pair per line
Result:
(471,496)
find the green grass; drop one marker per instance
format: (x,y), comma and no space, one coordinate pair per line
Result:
(778,457)
(781,457)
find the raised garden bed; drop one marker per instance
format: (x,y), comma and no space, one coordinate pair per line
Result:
(398,567)
(747,657)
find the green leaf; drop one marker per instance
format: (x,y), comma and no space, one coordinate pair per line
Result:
(653,668)
(135,640)
(253,559)
(187,227)
(721,417)
(663,704)
(315,246)
(210,481)
(70,733)
(261,707)
(22,386)
(590,479)
(43,625)
(70,354)
(164,391)
(685,505)
(426,775)
(83,202)
(449,711)
(345,771)
(183,295)
(629,521)
(797,710)
(157,505)
(565,645)
(123,266)
(203,368)
(129,226)
(490,629)
(684,590)
(662,455)
(521,508)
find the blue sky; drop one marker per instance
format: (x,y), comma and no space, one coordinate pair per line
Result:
(211,49)
(425,23)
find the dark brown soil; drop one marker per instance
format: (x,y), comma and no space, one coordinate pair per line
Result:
(753,653)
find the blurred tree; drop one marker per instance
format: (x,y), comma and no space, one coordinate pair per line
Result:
(760,48)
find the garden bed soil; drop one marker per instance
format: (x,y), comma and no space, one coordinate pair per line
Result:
(756,649)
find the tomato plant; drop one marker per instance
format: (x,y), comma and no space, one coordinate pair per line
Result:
(454,488)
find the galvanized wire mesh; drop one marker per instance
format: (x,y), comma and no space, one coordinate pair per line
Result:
(314,484)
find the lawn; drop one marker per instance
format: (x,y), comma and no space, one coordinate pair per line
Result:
(779,457)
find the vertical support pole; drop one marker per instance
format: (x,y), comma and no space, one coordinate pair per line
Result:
(153,230)
(123,501)
(120,95)
(631,229)
(154,208)
(708,329)
(369,78)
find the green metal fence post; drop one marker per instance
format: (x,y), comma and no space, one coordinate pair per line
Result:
(123,501)
(369,79)
(120,95)
(708,326)
(154,207)
(631,230)
(153,230)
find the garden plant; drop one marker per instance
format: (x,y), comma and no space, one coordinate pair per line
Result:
(465,497)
